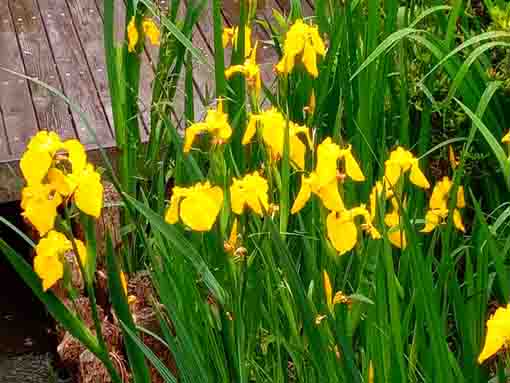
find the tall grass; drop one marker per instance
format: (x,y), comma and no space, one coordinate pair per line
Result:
(421,76)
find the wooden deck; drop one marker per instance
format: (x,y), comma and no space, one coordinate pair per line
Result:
(59,42)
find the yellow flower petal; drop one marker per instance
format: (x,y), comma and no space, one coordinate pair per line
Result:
(34,166)
(191,133)
(328,290)
(47,262)
(151,30)
(251,129)
(461,201)
(89,194)
(432,220)
(77,156)
(59,182)
(327,157)
(457,220)
(39,203)
(498,333)
(506,138)
(45,141)
(132,35)
(351,166)
(250,191)
(330,196)
(172,213)
(303,196)
(418,178)
(200,209)
(310,60)
(342,232)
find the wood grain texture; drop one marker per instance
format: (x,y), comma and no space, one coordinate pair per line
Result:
(52,112)
(77,80)
(18,114)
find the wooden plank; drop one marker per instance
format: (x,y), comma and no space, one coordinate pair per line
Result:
(15,101)
(52,112)
(77,80)
(89,27)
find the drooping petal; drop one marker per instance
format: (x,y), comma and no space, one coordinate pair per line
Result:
(251,129)
(457,220)
(47,262)
(297,152)
(461,201)
(432,220)
(200,210)
(34,166)
(418,178)
(506,138)
(392,173)
(342,232)
(49,269)
(303,196)
(327,157)
(40,205)
(77,156)
(172,213)
(310,59)
(395,235)
(190,134)
(330,196)
(89,194)
(498,333)
(352,167)
(328,290)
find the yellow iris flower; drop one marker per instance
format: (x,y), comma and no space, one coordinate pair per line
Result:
(150,29)
(250,191)
(54,169)
(342,230)
(498,333)
(198,206)
(272,127)
(250,70)
(48,262)
(302,42)
(323,181)
(393,220)
(438,206)
(230,36)
(401,161)
(216,124)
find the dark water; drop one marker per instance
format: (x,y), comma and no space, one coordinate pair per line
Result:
(27,341)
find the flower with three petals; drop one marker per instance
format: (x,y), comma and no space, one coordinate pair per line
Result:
(272,128)
(323,182)
(250,70)
(400,162)
(438,206)
(302,43)
(197,206)
(251,191)
(216,124)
